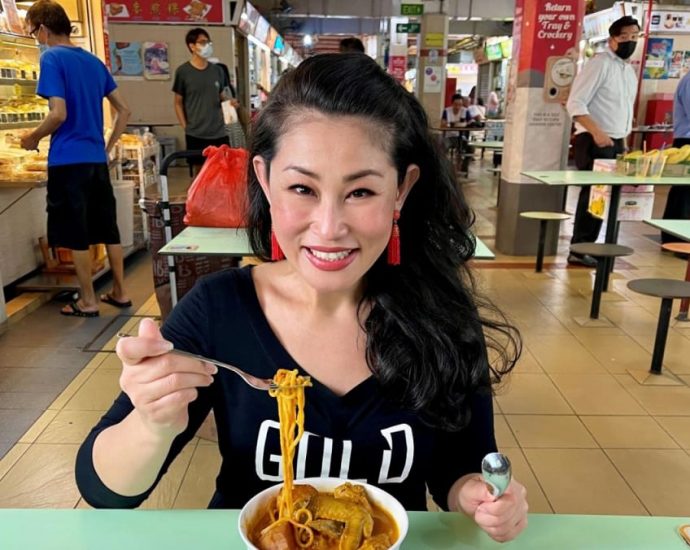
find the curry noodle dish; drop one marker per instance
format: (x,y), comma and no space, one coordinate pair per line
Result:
(303,517)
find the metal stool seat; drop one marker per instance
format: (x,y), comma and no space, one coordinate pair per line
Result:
(602,252)
(668,290)
(544,218)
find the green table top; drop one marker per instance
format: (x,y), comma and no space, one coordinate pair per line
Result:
(482,252)
(43,529)
(210,241)
(588,177)
(486,144)
(223,241)
(677,228)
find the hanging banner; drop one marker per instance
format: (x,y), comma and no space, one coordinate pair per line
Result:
(165,11)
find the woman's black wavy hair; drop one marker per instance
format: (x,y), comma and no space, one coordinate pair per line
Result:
(427,324)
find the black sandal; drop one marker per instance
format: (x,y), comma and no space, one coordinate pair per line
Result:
(78,312)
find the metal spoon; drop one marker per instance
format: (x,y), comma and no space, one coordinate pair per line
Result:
(497,473)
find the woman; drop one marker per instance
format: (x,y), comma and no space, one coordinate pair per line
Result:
(397,356)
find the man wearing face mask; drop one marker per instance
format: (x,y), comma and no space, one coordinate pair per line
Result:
(601,103)
(198,91)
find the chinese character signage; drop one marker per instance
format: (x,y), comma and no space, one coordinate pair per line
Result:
(165,11)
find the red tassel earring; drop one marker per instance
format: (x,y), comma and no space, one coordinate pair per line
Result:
(394,242)
(276,252)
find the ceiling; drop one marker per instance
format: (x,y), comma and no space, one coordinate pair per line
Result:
(362,17)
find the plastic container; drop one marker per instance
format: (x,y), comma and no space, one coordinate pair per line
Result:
(124,197)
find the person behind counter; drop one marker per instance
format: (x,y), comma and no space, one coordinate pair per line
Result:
(81,204)
(389,326)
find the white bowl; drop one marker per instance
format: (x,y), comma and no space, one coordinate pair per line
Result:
(326,484)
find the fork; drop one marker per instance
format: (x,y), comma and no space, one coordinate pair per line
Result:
(264,384)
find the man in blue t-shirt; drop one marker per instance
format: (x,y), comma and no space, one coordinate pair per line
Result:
(81,204)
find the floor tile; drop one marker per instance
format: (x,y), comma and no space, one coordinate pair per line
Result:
(660,478)
(43,477)
(628,432)
(111,362)
(659,400)
(596,394)
(97,393)
(32,356)
(616,352)
(504,436)
(527,363)
(73,387)
(678,427)
(537,501)
(36,379)
(26,400)
(550,431)
(69,426)
(38,426)
(548,352)
(165,493)
(199,482)
(11,456)
(531,394)
(15,422)
(582,481)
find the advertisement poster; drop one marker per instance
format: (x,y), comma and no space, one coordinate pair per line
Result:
(670,21)
(686,63)
(165,11)
(397,66)
(432,79)
(676,68)
(156,65)
(658,61)
(125,58)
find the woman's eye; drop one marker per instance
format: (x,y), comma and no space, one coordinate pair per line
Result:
(301,189)
(361,193)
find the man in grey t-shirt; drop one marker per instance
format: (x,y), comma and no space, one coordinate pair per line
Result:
(198,91)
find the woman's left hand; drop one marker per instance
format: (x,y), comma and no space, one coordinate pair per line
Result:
(504,518)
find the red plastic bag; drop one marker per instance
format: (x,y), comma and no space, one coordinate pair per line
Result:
(218,195)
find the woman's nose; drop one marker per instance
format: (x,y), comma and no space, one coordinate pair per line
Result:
(329,221)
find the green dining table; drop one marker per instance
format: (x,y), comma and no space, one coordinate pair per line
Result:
(490,145)
(42,529)
(677,228)
(223,241)
(616,181)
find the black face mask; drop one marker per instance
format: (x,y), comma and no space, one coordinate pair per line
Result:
(625,49)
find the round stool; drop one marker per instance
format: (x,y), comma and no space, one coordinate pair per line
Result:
(668,290)
(544,218)
(602,253)
(681,248)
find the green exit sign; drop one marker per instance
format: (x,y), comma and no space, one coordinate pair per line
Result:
(411,28)
(411,9)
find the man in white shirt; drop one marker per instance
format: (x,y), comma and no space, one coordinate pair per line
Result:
(601,104)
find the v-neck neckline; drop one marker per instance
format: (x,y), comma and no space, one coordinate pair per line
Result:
(281,356)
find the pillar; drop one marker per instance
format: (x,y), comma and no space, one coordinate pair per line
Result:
(546,34)
(431,64)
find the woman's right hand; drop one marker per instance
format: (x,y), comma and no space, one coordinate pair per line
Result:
(160,384)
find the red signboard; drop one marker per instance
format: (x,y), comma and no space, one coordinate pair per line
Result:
(165,11)
(549,28)
(397,66)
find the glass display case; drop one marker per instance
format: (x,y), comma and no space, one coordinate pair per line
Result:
(20,110)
